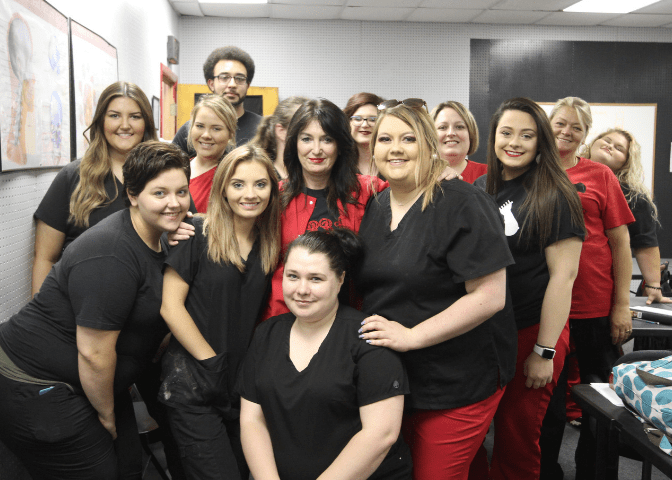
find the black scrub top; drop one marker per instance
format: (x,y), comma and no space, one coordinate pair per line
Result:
(313,414)
(224,302)
(54,209)
(418,270)
(108,279)
(529,276)
(643,231)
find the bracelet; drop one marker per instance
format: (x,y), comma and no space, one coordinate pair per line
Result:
(654,288)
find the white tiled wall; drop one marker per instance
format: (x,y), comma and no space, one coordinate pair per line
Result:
(139,30)
(335,59)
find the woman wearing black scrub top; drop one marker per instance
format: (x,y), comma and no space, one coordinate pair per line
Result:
(214,288)
(318,402)
(434,272)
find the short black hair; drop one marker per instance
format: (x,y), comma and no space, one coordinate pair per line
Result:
(342,247)
(228,53)
(147,161)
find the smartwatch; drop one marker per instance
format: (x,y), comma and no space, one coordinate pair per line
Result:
(544,352)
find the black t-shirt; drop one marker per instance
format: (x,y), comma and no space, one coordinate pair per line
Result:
(419,270)
(224,302)
(321,219)
(54,209)
(643,229)
(245,131)
(529,276)
(313,414)
(108,279)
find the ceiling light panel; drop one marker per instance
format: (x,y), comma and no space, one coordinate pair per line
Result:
(609,6)
(306,12)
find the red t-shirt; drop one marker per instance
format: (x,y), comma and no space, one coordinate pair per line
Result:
(200,187)
(604,208)
(473,171)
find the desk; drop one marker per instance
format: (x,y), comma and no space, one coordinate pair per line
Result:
(642,328)
(617,425)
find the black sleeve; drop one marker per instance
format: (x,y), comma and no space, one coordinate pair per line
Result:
(54,209)
(246,383)
(380,374)
(180,139)
(643,229)
(185,256)
(564,227)
(474,231)
(102,292)
(481,181)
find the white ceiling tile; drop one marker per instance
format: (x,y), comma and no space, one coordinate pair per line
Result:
(376,14)
(661,7)
(235,10)
(577,19)
(639,20)
(465,4)
(307,2)
(187,8)
(509,17)
(383,3)
(453,15)
(306,12)
(544,5)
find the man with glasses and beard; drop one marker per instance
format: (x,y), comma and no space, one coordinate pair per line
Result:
(228,72)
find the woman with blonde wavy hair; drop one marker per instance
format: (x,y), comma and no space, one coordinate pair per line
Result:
(214,288)
(88,190)
(618,149)
(434,295)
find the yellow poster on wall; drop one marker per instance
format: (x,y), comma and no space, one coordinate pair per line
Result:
(187,93)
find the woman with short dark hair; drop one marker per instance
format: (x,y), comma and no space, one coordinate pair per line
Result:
(93,327)
(362,110)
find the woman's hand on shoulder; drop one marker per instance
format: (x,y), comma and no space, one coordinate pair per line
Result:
(381,332)
(448,174)
(183,232)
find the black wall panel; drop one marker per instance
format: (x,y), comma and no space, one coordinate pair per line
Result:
(598,72)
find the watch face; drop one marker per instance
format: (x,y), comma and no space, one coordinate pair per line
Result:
(549,354)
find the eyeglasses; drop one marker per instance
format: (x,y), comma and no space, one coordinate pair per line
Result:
(358,120)
(409,102)
(239,79)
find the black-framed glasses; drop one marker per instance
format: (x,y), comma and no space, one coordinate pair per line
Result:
(357,120)
(409,102)
(225,78)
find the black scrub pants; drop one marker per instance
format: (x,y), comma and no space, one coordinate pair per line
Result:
(209,445)
(57,435)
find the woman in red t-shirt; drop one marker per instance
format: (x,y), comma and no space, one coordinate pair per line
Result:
(458,137)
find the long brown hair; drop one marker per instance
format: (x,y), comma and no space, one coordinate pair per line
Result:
(547,182)
(96,163)
(219,220)
(343,184)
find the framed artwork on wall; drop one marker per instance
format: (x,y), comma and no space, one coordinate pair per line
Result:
(156,111)
(34,76)
(94,67)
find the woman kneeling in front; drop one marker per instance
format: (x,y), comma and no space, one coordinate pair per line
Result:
(318,402)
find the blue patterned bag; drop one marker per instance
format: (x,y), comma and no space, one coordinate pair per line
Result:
(646,387)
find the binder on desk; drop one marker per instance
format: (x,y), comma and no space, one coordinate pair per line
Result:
(659,313)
